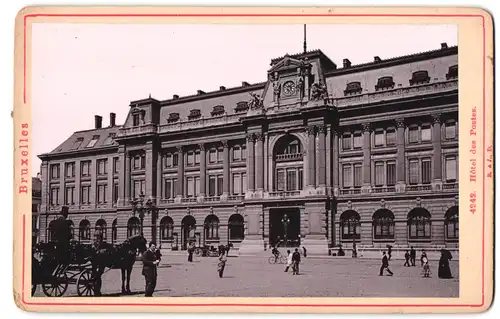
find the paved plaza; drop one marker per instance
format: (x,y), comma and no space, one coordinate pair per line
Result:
(255,277)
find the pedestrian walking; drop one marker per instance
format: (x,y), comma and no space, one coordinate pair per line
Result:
(385,265)
(407,259)
(305,251)
(424,255)
(222,262)
(288,260)
(389,251)
(413,256)
(296,261)
(149,269)
(354,250)
(190,251)
(425,267)
(444,270)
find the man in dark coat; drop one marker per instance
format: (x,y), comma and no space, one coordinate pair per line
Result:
(407,259)
(149,269)
(62,236)
(385,265)
(413,256)
(296,261)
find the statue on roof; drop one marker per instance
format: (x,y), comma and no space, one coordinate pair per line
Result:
(300,86)
(319,91)
(255,102)
(276,89)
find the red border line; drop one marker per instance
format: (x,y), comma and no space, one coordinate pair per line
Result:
(24,301)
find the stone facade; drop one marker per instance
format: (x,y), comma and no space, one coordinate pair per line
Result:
(365,153)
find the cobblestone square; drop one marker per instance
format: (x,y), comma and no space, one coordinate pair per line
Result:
(255,277)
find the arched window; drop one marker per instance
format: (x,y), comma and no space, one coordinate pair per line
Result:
(383,224)
(419,224)
(51,231)
(101,230)
(114,231)
(288,176)
(133,227)
(236,227)
(166,228)
(451,223)
(211,227)
(288,144)
(349,221)
(84,230)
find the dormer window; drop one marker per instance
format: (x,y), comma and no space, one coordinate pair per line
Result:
(241,107)
(135,119)
(452,72)
(419,77)
(353,88)
(109,139)
(78,143)
(384,83)
(94,140)
(194,114)
(218,110)
(173,117)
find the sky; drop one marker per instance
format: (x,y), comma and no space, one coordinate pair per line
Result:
(82,70)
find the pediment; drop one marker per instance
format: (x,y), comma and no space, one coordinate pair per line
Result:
(288,63)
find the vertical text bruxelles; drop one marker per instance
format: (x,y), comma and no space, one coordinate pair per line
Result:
(23,147)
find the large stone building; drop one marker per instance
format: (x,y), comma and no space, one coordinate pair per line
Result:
(362,153)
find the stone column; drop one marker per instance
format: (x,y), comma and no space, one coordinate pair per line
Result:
(225,166)
(77,182)
(127,178)
(321,156)
(400,163)
(311,157)
(109,194)
(259,161)
(203,169)
(366,158)
(336,171)
(250,162)
(180,173)
(159,177)
(436,154)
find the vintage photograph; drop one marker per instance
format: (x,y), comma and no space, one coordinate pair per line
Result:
(245,160)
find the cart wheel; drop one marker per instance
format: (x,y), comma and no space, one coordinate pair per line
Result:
(272,260)
(85,285)
(197,252)
(57,287)
(282,259)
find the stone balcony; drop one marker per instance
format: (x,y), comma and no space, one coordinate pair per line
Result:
(397,93)
(138,130)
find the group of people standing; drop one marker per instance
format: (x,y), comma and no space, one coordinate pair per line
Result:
(293,260)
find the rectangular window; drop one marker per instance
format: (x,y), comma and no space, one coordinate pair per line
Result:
(70,170)
(379,138)
(450,130)
(196,186)
(426,133)
(379,173)
(391,173)
(54,196)
(135,119)
(358,140)
(220,185)
(280,180)
(136,162)
(174,187)
(101,167)
(236,153)
(346,142)
(116,165)
(190,159)
(143,161)
(413,172)
(190,186)
(116,192)
(93,141)
(243,183)
(243,153)
(138,188)
(301,179)
(358,180)
(175,160)
(347,176)
(236,184)
(211,185)
(391,136)
(220,155)
(54,171)
(197,156)
(426,171)
(85,195)
(451,169)
(85,166)
(291,179)
(212,156)
(70,192)
(413,134)
(168,188)
(168,160)
(101,193)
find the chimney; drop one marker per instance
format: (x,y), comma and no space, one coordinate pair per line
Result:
(347,63)
(200,92)
(175,97)
(112,119)
(245,83)
(98,121)
(377,59)
(444,45)
(222,88)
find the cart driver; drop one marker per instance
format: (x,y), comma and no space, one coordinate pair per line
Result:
(63,235)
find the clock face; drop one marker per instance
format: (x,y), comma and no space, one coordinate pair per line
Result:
(289,88)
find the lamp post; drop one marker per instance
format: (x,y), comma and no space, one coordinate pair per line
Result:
(142,208)
(285,221)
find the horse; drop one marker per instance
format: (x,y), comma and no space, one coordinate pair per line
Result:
(121,256)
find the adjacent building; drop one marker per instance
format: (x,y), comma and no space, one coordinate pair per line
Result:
(321,154)
(36,195)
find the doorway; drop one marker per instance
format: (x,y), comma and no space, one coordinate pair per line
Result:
(284,227)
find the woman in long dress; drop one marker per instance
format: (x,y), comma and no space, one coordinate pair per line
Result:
(222,262)
(444,270)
